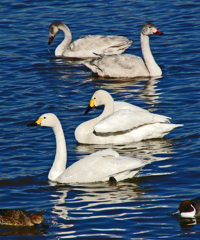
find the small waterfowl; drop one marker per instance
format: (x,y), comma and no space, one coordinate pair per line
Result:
(121,123)
(87,46)
(19,218)
(99,166)
(127,65)
(190,208)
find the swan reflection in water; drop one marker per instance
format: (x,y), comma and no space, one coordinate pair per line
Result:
(145,87)
(151,150)
(94,200)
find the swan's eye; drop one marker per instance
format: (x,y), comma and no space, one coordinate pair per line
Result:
(44,118)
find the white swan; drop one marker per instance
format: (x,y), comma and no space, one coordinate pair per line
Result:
(87,46)
(99,166)
(127,65)
(121,123)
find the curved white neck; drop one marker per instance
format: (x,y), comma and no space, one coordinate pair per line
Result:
(88,126)
(153,68)
(108,107)
(66,42)
(60,161)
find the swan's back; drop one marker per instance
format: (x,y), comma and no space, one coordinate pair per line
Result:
(125,65)
(92,45)
(127,120)
(100,166)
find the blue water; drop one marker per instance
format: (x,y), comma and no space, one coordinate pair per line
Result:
(34,82)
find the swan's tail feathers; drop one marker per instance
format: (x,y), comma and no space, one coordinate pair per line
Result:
(127,174)
(170,127)
(178,125)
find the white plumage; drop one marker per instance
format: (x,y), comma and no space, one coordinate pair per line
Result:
(127,65)
(87,46)
(121,123)
(99,166)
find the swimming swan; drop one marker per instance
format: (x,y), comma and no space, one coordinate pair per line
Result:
(87,46)
(19,218)
(127,65)
(121,123)
(99,166)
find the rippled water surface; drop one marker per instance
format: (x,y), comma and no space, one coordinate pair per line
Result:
(34,82)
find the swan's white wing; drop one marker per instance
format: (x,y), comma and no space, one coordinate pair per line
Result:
(100,166)
(84,42)
(118,105)
(127,119)
(125,65)
(91,45)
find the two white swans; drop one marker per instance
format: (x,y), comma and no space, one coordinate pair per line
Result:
(99,166)
(87,46)
(121,123)
(127,65)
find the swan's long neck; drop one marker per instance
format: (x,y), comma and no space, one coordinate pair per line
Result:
(66,42)
(153,68)
(108,107)
(84,130)
(60,161)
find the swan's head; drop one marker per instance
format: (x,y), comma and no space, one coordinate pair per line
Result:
(45,120)
(149,29)
(53,30)
(37,218)
(186,209)
(100,97)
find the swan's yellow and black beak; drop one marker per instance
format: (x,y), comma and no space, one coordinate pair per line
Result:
(90,107)
(50,40)
(36,123)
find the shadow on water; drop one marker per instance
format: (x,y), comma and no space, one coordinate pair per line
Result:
(28,231)
(151,150)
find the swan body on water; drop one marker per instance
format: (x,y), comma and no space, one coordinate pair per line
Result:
(87,46)
(127,65)
(19,218)
(99,166)
(121,123)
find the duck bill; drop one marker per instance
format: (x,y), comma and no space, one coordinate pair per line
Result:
(50,40)
(36,123)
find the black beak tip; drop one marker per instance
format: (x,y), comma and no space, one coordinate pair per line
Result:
(88,110)
(32,124)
